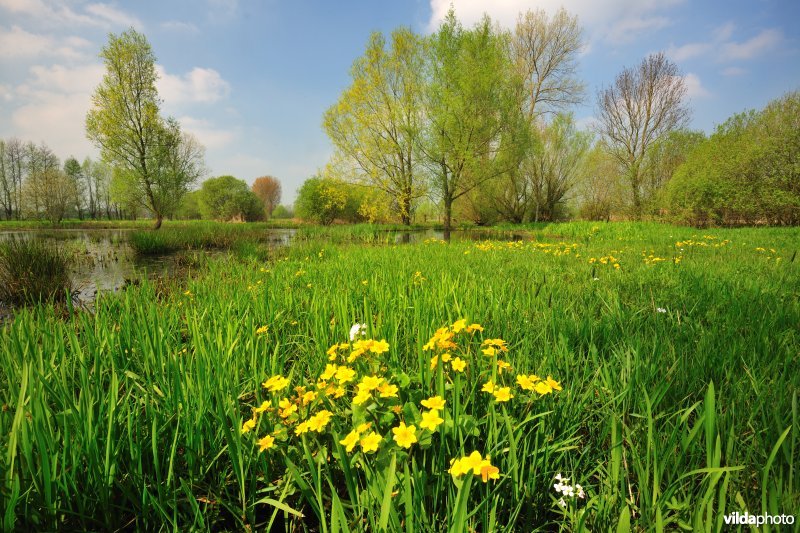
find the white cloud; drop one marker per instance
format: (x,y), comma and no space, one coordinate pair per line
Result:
(6,93)
(694,87)
(733,71)
(763,42)
(55,100)
(688,51)
(113,16)
(630,28)
(726,49)
(19,43)
(206,133)
(200,85)
(179,26)
(58,13)
(617,20)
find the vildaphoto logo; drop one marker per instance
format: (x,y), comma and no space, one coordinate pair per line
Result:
(745,518)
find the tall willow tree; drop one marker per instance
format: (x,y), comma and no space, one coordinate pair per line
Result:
(469,108)
(125,123)
(375,124)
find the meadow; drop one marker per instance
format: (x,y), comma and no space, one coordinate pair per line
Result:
(591,377)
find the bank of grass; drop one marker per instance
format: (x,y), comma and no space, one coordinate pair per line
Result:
(205,235)
(679,400)
(32,270)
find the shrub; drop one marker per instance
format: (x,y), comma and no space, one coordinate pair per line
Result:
(32,270)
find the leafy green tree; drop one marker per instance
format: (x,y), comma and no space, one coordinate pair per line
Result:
(323,200)
(376,122)
(74,171)
(229,198)
(470,108)
(125,123)
(747,172)
(600,190)
(189,209)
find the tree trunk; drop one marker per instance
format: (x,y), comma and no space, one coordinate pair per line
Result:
(159,220)
(448,213)
(405,210)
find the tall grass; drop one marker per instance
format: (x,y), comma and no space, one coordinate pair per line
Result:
(130,417)
(32,270)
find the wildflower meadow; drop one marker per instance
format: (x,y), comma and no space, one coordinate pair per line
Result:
(586,377)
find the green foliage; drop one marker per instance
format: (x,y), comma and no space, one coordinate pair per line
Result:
(283,211)
(228,198)
(324,200)
(189,208)
(158,161)
(139,403)
(747,172)
(32,271)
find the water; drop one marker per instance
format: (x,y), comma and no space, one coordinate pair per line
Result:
(104,262)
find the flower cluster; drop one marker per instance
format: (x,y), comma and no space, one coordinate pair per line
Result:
(565,490)
(364,406)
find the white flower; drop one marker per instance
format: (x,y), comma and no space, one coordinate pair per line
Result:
(356,330)
(562,503)
(581,494)
(661,310)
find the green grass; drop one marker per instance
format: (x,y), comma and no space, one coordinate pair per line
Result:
(32,270)
(130,416)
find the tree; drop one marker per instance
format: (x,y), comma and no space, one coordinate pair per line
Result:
(321,200)
(470,109)
(125,123)
(643,105)
(74,171)
(268,190)
(747,172)
(544,53)
(14,165)
(599,190)
(664,158)
(555,165)
(376,121)
(228,198)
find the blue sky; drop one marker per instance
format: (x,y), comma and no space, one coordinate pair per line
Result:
(251,79)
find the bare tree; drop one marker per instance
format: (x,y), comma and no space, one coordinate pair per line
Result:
(644,104)
(268,190)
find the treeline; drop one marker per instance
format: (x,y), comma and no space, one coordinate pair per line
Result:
(227,198)
(475,124)
(35,185)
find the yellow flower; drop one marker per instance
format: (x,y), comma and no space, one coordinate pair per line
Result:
(266,443)
(446,357)
(265,405)
(456,468)
(247,426)
(362,397)
(287,408)
(388,391)
(330,371)
(543,388)
(319,421)
(350,441)
(490,351)
(370,382)
(527,382)
(370,442)
(458,364)
(434,362)
(472,462)
(488,387)
(487,471)
(345,374)
(404,435)
(434,402)
(503,394)
(332,352)
(379,347)
(458,325)
(309,397)
(474,327)
(502,365)
(276,383)
(338,392)
(262,330)
(301,428)
(363,427)
(430,420)
(555,385)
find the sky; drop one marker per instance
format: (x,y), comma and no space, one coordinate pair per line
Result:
(251,79)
